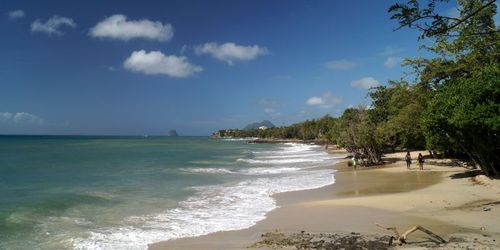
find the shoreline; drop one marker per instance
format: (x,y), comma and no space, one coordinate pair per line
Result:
(390,195)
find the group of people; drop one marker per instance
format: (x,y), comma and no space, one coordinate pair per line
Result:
(354,161)
(420,159)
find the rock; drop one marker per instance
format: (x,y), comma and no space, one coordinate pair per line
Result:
(172,133)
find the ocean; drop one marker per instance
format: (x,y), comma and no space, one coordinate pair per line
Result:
(98,192)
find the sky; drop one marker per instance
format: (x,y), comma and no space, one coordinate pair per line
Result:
(145,67)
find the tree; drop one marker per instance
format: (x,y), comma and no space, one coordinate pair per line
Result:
(357,136)
(461,44)
(431,23)
(463,113)
(397,109)
(464,116)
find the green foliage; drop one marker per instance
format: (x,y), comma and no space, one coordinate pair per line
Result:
(464,116)
(461,44)
(396,111)
(323,129)
(392,122)
(431,23)
(357,135)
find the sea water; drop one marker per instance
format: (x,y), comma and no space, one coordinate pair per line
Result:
(82,192)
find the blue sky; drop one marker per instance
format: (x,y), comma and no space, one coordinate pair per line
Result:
(128,67)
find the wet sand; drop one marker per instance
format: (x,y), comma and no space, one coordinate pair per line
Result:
(391,195)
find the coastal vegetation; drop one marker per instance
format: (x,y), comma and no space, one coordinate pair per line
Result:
(462,80)
(449,103)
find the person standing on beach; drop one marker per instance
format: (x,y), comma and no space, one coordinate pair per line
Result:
(408,160)
(420,161)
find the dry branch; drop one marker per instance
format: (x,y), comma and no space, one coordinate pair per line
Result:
(390,229)
(401,238)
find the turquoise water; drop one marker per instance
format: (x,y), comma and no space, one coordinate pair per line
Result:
(125,192)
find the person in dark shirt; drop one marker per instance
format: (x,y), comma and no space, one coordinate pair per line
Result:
(408,160)
(421,161)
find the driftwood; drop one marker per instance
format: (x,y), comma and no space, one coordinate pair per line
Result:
(401,238)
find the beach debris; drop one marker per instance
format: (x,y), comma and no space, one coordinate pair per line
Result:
(480,180)
(401,238)
(304,240)
(356,241)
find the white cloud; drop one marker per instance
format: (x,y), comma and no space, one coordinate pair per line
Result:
(229,52)
(21,118)
(270,107)
(392,61)
(155,62)
(15,14)
(342,64)
(327,100)
(365,83)
(391,50)
(271,112)
(315,100)
(53,25)
(5,116)
(118,27)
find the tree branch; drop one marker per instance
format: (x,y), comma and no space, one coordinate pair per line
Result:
(470,15)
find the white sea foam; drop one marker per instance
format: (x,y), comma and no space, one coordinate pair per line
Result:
(215,208)
(264,171)
(289,154)
(208,170)
(231,206)
(280,161)
(248,171)
(291,149)
(296,155)
(239,139)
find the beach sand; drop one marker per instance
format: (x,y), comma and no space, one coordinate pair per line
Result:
(440,198)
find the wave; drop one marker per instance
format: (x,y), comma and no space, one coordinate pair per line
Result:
(239,139)
(306,154)
(231,206)
(248,171)
(281,161)
(208,170)
(214,208)
(291,149)
(265,171)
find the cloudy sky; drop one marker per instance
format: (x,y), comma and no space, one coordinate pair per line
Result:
(127,67)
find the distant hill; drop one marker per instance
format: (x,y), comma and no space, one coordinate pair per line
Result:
(172,133)
(256,125)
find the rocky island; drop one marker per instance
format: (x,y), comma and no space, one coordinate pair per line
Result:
(172,133)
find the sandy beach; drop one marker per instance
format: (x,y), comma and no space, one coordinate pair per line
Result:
(441,198)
